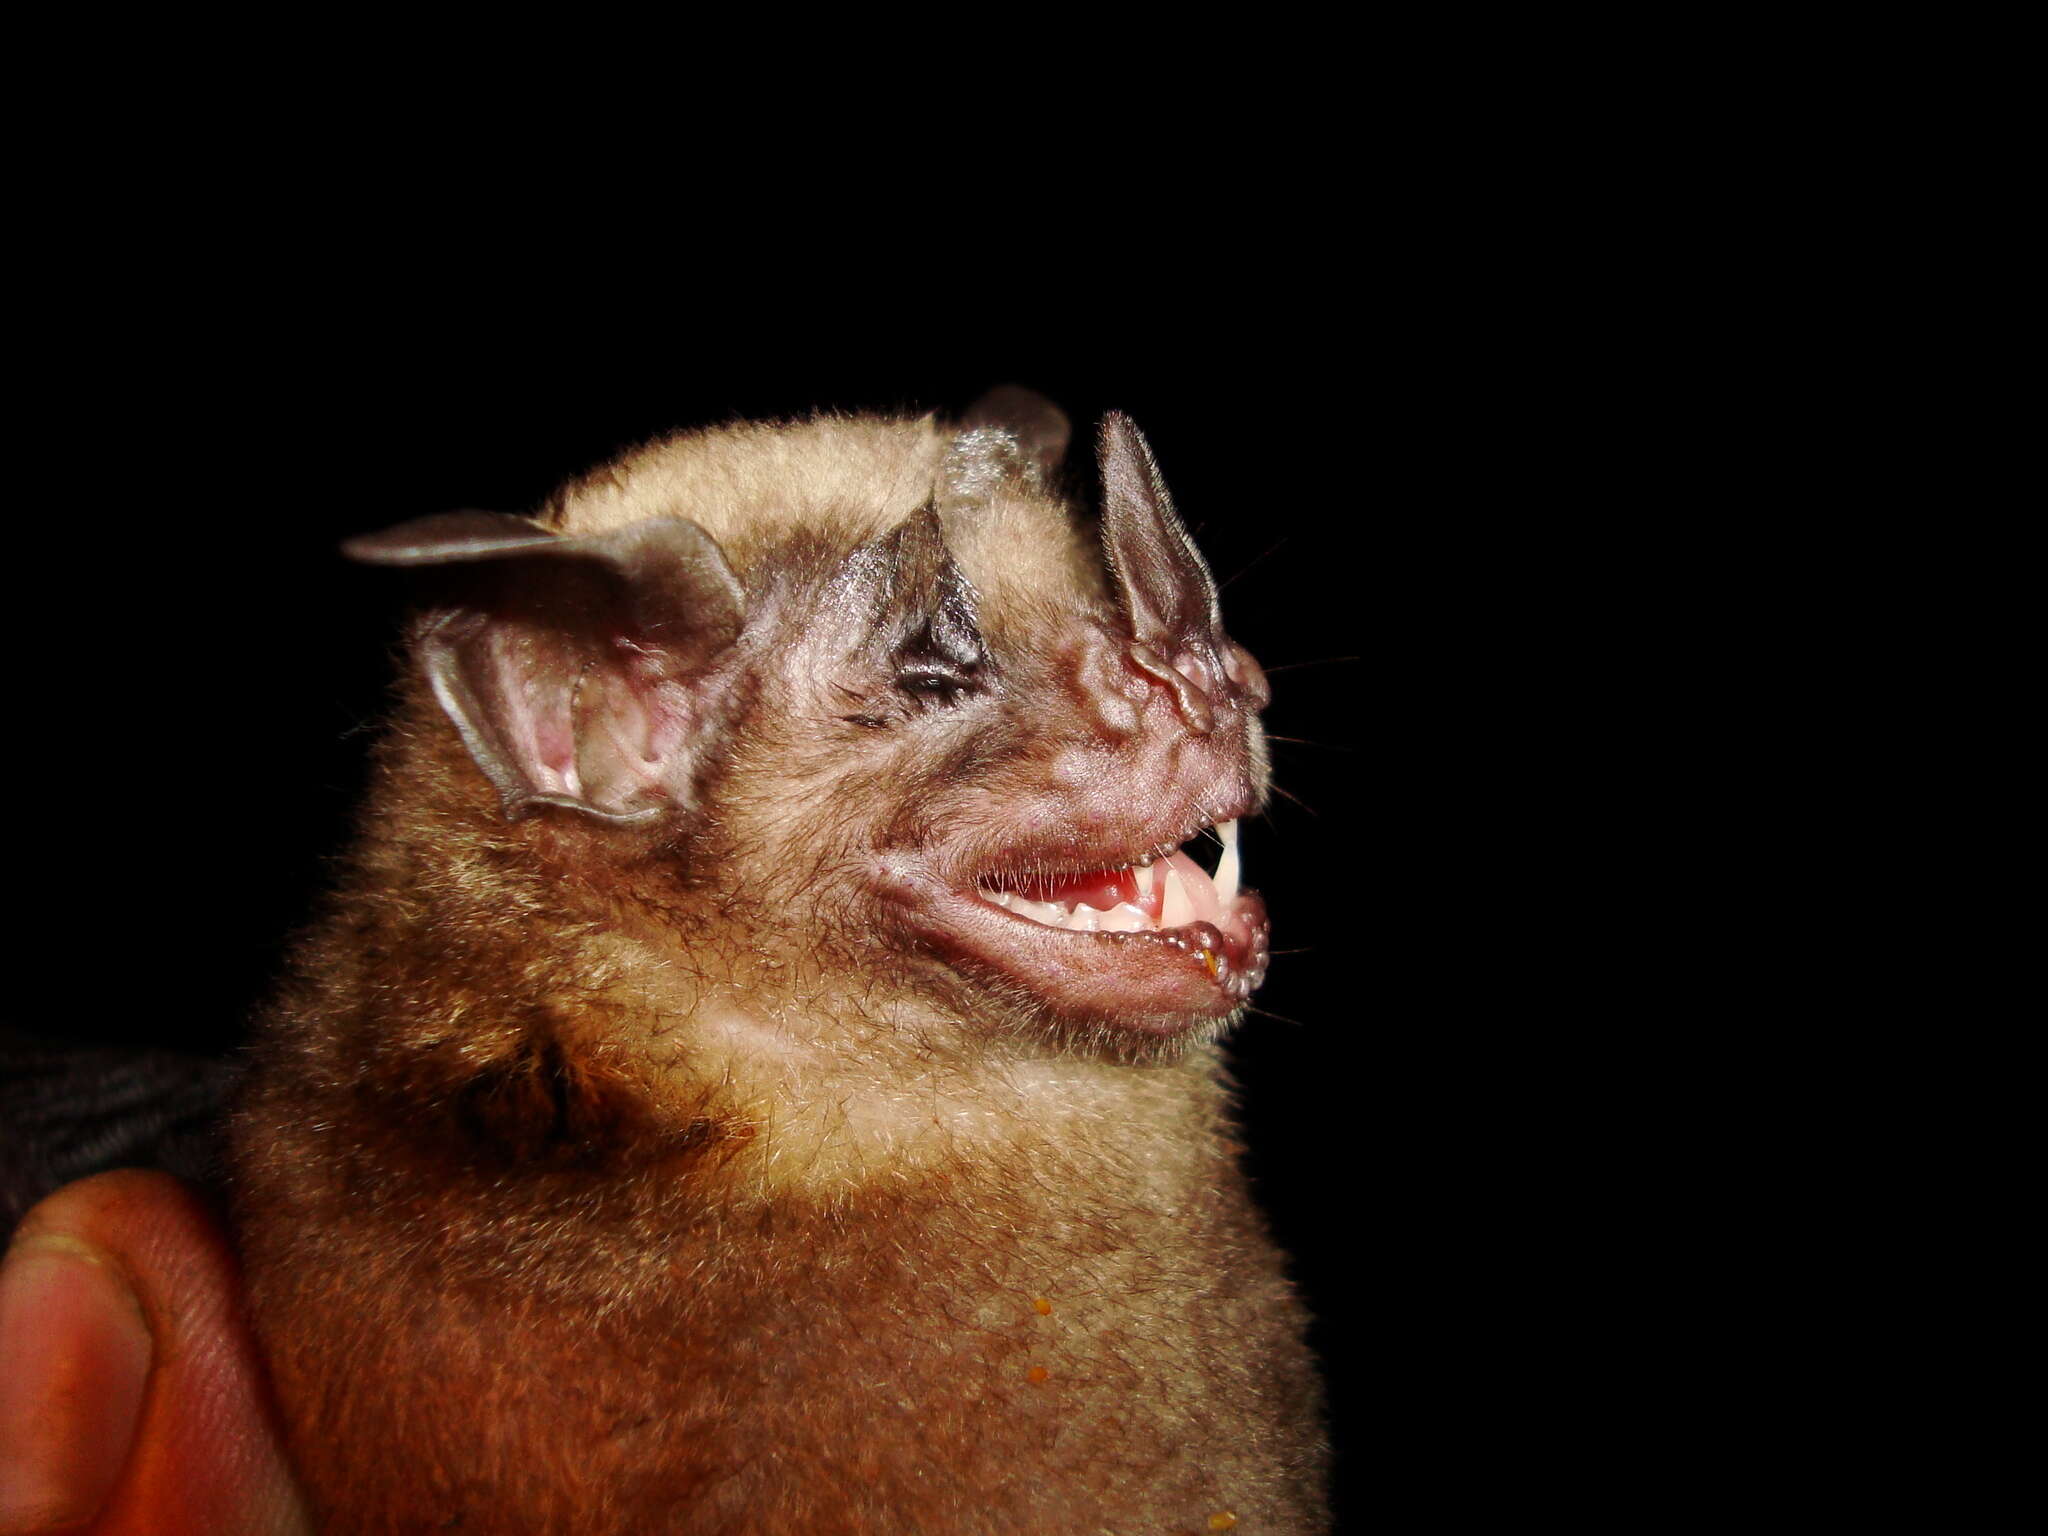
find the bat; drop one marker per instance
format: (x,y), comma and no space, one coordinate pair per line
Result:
(758,1069)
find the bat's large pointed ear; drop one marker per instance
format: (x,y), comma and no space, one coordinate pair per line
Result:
(581,672)
(1162,583)
(1041,428)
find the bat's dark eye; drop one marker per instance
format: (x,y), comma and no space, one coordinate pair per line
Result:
(934,685)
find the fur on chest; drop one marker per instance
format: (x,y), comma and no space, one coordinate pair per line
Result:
(891,1364)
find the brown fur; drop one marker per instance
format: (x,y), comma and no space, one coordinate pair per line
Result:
(628,1180)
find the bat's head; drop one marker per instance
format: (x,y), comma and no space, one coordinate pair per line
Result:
(883,710)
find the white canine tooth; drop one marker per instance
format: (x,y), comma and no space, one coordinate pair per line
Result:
(1148,877)
(1227,869)
(1125,918)
(1177,909)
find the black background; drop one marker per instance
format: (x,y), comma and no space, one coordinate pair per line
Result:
(1488,421)
(235,667)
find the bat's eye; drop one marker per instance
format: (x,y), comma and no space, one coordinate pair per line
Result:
(935,685)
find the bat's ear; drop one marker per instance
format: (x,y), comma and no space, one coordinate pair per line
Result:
(581,672)
(1040,427)
(1162,582)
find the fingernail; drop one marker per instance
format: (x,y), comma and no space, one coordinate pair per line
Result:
(74,1360)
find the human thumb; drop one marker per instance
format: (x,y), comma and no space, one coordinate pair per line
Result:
(132,1397)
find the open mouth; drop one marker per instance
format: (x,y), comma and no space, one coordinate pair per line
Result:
(1151,893)
(1156,932)
(1144,940)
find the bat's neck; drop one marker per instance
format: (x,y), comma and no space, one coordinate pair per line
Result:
(613,1068)
(904,1099)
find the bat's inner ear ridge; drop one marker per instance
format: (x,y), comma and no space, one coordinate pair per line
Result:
(580,672)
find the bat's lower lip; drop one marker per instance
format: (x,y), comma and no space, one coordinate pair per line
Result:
(1163,981)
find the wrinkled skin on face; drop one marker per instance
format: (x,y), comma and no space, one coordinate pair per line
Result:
(951,777)
(1050,758)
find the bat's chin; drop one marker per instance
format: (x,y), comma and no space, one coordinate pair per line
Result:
(1149,943)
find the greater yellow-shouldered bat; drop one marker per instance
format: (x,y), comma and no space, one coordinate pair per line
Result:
(758,1071)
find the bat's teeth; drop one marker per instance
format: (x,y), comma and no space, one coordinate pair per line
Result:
(1125,918)
(1182,892)
(1177,909)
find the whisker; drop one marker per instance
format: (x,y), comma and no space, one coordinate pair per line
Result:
(1303,741)
(1269,1013)
(1247,570)
(1320,661)
(1290,794)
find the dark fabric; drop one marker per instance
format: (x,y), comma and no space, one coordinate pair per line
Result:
(66,1112)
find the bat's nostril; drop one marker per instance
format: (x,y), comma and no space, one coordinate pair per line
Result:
(1247,676)
(1189,697)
